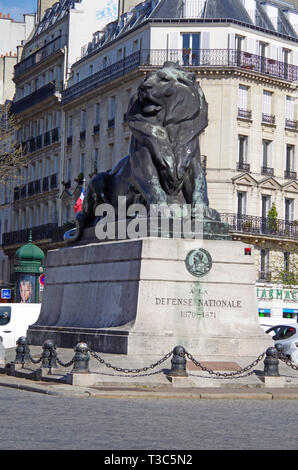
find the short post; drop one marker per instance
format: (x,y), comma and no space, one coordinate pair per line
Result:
(81,359)
(49,355)
(22,351)
(178,363)
(80,375)
(271,363)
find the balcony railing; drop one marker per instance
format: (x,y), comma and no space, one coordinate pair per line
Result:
(291,175)
(41,232)
(34,98)
(268,119)
(264,275)
(266,170)
(205,58)
(291,124)
(241,166)
(252,225)
(244,114)
(38,56)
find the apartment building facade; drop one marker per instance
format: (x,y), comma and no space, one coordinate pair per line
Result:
(245,55)
(40,77)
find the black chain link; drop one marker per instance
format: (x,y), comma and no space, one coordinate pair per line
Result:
(65,364)
(130,371)
(35,361)
(287,361)
(226,375)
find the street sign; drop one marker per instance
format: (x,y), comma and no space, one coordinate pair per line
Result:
(42,279)
(6,294)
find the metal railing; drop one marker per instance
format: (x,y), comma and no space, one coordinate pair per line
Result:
(34,98)
(41,232)
(38,56)
(291,175)
(291,124)
(253,225)
(217,58)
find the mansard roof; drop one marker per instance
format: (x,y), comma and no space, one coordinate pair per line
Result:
(212,10)
(53,15)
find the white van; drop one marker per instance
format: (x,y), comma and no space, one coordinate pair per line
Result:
(15,320)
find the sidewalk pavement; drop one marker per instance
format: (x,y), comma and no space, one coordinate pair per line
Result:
(106,382)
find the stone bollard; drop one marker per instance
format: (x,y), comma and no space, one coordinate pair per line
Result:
(80,375)
(22,351)
(178,363)
(49,355)
(81,359)
(271,363)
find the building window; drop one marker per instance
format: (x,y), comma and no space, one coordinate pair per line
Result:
(289,210)
(267,158)
(264,273)
(191,48)
(290,162)
(241,203)
(242,153)
(82,164)
(95,163)
(267,115)
(290,113)
(112,112)
(243,111)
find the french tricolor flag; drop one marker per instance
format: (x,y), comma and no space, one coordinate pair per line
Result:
(78,204)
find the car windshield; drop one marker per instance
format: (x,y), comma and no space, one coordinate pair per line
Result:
(287,332)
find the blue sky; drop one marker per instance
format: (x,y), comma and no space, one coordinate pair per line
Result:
(17,8)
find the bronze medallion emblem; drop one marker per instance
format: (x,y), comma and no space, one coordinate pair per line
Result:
(198,262)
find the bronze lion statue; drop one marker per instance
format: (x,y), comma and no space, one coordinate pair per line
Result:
(166,117)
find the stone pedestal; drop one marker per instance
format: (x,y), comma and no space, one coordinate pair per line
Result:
(140,297)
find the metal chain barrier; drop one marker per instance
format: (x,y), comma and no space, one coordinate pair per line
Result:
(35,361)
(131,371)
(287,361)
(65,364)
(225,375)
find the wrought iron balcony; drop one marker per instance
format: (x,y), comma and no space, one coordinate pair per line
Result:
(264,275)
(244,114)
(253,225)
(241,166)
(38,56)
(268,119)
(204,58)
(292,124)
(41,232)
(291,175)
(266,170)
(34,98)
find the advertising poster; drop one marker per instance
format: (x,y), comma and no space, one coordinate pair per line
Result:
(25,289)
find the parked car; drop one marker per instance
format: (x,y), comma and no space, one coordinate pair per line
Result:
(287,336)
(15,320)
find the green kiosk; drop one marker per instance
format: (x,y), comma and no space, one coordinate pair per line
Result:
(29,269)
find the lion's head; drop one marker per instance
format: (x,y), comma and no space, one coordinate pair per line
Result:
(171,95)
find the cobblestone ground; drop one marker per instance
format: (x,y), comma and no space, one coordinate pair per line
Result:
(32,421)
